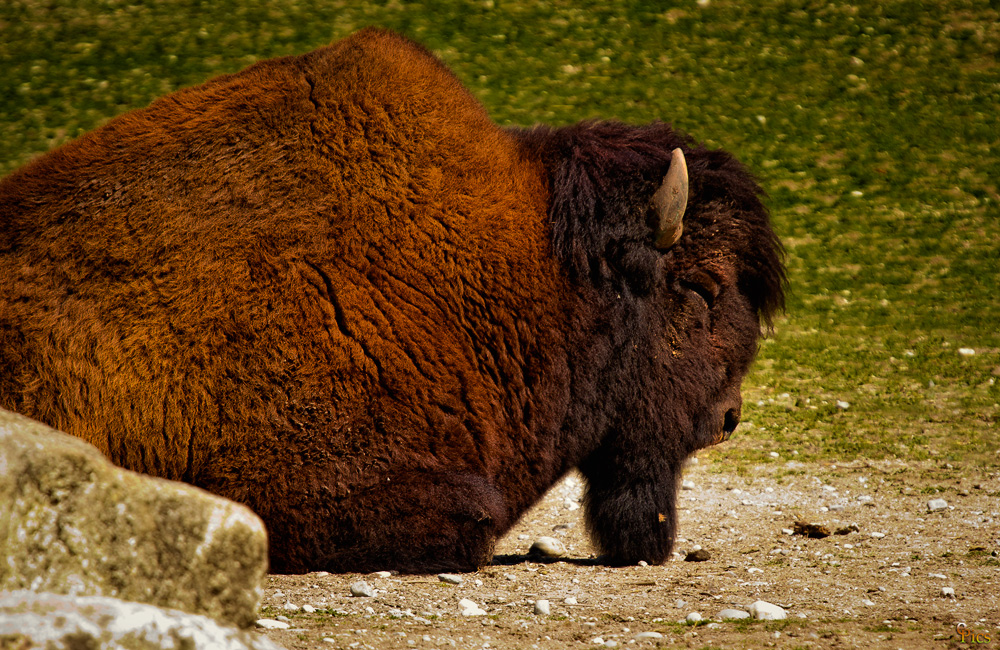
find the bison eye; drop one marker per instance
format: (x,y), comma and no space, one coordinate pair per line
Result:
(703,285)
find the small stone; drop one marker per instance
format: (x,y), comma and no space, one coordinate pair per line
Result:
(939,576)
(679,604)
(687,485)
(362,589)
(698,555)
(948,592)
(693,617)
(291,607)
(842,405)
(470,608)
(271,624)
(643,563)
(876,535)
(547,547)
(936,504)
(727,614)
(787,531)
(815,531)
(383,574)
(308,609)
(648,636)
(542,607)
(867,603)
(966,352)
(570,601)
(451,578)
(597,640)
(765,611)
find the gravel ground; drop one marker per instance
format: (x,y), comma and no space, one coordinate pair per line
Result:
(899,575)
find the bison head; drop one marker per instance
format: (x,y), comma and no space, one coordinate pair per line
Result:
(683,270)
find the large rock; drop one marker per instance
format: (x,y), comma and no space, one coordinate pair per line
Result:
(73,523)
(53,622)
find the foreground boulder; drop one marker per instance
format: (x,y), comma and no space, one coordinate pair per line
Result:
(31,620)
(73,523)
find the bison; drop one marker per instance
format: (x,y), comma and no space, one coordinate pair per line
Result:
(329,287)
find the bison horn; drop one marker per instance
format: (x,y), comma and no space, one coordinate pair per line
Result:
(670,201)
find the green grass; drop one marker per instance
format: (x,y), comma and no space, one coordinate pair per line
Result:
(875,128)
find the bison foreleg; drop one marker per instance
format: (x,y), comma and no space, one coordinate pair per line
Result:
(631,504)
(419,522)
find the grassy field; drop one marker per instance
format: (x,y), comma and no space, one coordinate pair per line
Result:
(875,128)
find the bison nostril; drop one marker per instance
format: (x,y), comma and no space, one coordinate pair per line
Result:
(732,419)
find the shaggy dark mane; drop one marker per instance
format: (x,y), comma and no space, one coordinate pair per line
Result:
(596,169)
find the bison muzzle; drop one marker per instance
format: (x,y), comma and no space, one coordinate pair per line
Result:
(330,288)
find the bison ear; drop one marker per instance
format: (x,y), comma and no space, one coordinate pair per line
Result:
(670,201)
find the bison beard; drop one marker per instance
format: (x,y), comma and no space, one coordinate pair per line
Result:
(329,287)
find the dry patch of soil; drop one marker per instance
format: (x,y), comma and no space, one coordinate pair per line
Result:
(878,585)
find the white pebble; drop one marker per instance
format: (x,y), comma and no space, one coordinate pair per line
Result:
(765,611)
(597,640)
(842,405)
(383,574)
(693,617)
(470,608)
(679,604)
(687,485)
(542,607)
(966,352)
(291,607)
(547,547)
(733,614)
(362,589)
(939,576)
(648,636)
(876,535)
(570,601)
(308,609)
(867,603)
(787,531)
(451,578)
(948,592)
(936,504)
(271,624)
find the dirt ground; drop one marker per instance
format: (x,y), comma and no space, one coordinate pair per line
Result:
(878,585)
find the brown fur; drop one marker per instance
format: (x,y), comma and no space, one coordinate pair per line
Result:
(327,287)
